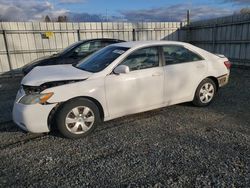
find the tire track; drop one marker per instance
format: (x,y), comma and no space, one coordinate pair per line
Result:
(9,126)
(22,141)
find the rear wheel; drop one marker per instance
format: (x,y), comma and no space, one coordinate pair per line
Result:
(78,118)
(205,93)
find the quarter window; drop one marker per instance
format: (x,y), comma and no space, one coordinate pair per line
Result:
(142,59)
(179,54)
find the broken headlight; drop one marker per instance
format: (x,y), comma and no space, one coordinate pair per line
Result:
(35,98)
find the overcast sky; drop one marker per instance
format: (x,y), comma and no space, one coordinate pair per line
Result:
(130,10)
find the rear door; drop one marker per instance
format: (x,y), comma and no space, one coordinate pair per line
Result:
(183,70)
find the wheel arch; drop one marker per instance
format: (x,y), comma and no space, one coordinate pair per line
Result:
(215,80)
(54,111)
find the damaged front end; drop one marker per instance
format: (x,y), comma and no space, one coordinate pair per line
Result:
(32,110)
(38,89)
(34,95)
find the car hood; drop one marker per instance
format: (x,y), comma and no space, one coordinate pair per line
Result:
(43,74)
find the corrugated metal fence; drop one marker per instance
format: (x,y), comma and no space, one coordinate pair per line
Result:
(228,35)
(22,42)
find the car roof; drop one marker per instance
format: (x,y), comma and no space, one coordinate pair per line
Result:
(133,44)
(103,39)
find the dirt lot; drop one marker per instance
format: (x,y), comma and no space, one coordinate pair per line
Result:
(177,146)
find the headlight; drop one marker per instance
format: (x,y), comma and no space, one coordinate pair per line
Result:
(35,98)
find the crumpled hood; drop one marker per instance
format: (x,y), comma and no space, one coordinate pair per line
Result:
(43,74)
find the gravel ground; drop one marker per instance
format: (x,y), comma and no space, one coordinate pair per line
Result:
(176,146)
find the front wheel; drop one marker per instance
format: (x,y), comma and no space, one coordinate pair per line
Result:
(205,93)
(77,118)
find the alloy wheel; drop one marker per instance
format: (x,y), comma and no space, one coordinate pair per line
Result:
(79,120)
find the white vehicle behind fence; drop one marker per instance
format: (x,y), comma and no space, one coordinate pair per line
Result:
(121,79)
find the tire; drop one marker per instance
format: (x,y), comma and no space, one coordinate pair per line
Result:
(205,93)
(77,118)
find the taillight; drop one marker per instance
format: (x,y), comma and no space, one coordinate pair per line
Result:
(227,64)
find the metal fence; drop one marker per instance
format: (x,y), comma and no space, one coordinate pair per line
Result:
(22,42)
(228,35)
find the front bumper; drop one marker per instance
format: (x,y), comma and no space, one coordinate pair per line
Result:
(32,118)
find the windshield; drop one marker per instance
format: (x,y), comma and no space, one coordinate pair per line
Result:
(101,59)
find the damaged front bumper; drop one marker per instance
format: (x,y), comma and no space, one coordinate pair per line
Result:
(32,118)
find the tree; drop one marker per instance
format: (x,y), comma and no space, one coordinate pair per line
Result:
(245,11)
(62,19)
(47,19)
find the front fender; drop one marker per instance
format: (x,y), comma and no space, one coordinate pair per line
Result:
(88,88)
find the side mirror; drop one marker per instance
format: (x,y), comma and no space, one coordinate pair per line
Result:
(121,69)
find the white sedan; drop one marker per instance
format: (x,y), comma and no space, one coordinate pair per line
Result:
(121,79)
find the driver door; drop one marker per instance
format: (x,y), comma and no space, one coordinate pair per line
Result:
(139,90)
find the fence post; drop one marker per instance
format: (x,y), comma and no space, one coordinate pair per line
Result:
(78,34)
(188,17)
(214,36)
(134,35)
(102,28)
(8,52)
(188,33)
(179,32)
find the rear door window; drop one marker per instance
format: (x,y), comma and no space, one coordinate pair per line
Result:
(174,54)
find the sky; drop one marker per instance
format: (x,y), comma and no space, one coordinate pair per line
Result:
(118,10)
